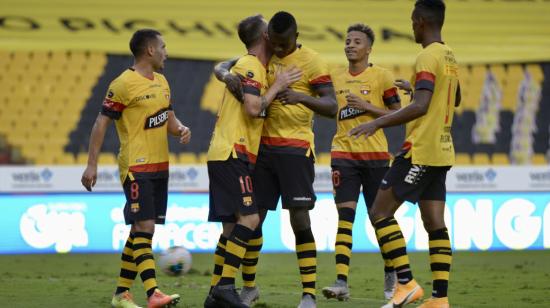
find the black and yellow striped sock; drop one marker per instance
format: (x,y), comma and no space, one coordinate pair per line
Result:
(128,269)
(441,257)
(143,255)
(307,260)
(250,260)
(393,245)
(388,264)
(234,253)
(219,257)
(344,242)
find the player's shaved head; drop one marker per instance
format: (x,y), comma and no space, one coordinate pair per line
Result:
(431,11)
(251,29)
(283,22)
(141,39)
(359,27)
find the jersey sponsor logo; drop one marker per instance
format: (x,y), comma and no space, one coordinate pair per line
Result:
(250,74)
(415,172)
(158,119)
(301,198)
(365,89)
(110,94)
(144,97)
(349,113)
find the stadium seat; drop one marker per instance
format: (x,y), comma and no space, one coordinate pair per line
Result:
(187,158)
(536,72)
(106,159)
(202,158)
(463,159)
(539,159)
(500,159)
(82,158)
(481,159)
(322,159)
(172,159)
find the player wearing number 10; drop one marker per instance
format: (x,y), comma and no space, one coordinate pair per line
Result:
(232,155)
(418,174)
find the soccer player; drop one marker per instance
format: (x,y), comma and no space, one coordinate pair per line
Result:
(364,92)
(285,165)
(139,102)
(419,173)
(232,154)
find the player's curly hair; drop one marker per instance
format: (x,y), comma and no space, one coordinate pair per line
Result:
(363,28)
(140,39)
(433,11)
(250,30)
(282,22)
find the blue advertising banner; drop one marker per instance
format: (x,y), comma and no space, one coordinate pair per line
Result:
(61,223)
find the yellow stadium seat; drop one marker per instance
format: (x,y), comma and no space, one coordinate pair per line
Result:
(172,159)
(539,159)
(499,73)
(463,159)
(500,159)
(106,159)
(82,158)
(536,72)
(202,159)
(187,158)
(323,159)
(481,159)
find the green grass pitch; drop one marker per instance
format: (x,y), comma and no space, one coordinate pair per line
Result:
(481,279)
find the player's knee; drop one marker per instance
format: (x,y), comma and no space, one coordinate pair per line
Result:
(147,226)
(433,223)
(250,221)
(299,219)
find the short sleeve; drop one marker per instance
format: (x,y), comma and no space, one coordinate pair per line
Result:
(390,95)
(425,68)
(253,76)
(318,74)
(116,100)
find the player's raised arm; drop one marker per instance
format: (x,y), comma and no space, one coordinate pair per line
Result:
(233,82)
(324,105)
(255,104)
(89,176)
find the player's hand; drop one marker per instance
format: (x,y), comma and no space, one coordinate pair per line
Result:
(404,85)
(289,97)
(283,79)
(185,134)
(357,103)
(89,177)
(368,129)
(234,85)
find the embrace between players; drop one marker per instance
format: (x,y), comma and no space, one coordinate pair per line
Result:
(262,149)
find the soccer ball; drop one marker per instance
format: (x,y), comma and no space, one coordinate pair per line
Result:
(175,261)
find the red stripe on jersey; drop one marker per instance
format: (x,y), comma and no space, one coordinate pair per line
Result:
(150,167)
(390,92)
(242,149)
(285,142)
(321,79)
(360,155)
(425,76)
(112,105)
(406,146)
(251,83)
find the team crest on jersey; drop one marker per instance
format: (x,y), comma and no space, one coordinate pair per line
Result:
(349,113)
(110,94)
(158,119)
(134,207)
(247,200)
(249,74)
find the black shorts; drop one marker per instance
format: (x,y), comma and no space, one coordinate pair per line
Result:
(416,182)
(284,175)
(145,199)
(347,182)
(231,190)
